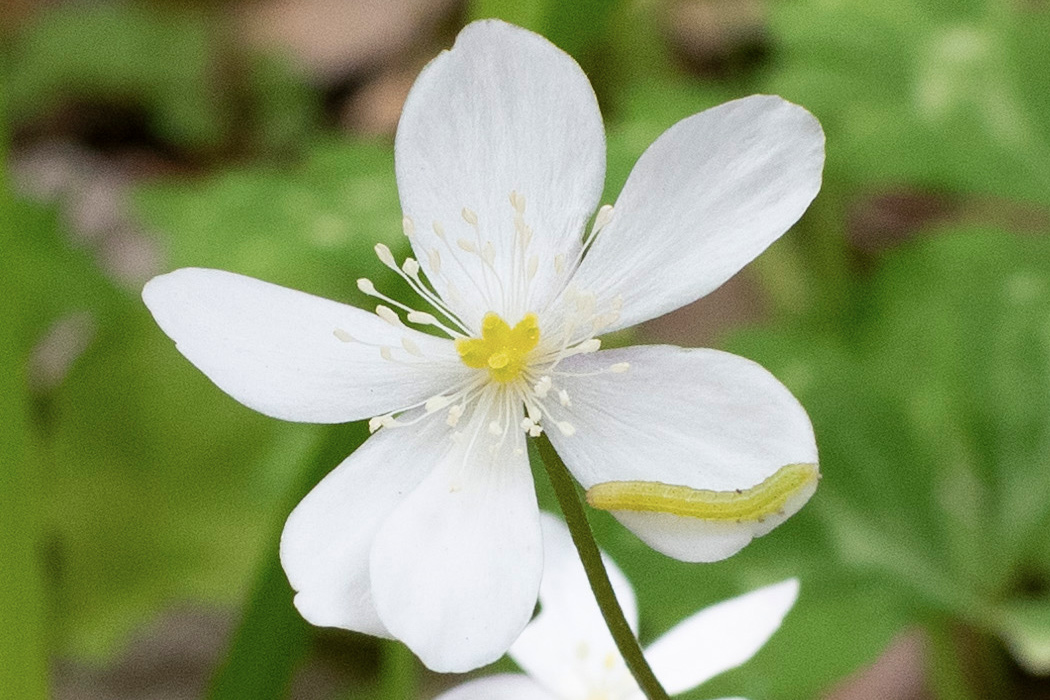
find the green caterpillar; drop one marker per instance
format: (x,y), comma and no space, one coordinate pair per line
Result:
(742,505)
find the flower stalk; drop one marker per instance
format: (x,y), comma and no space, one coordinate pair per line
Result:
(583,538)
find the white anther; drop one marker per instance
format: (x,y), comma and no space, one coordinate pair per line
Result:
(620,367)
(410,267)
(488,253)
(378,422)
(422,318)
(590,345)
(466,245)
(519,451)
(563,398)
(366,286)
(567,429)
(388,315)
(534,265)
(517,201)
(454,414)
(411,348)
(585,303)
(602,218)
(386,354)
(526,423)
(408,226)
(436,403)
(535,431)
(384,255)
(435,261)
(469,216)
(439,230)
(495,428)
(559,263)
(605,320)
(343,335)
(542,387)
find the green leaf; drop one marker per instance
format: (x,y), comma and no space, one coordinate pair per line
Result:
(272,638)
(312,226)
(121,51)
(908,92)
(931,405)
(1026,631)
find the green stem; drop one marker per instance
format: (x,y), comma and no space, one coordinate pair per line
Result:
(397,672)
(583,538)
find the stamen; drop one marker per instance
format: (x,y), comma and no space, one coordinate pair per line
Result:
(388,315)
(469,216)
(435,260)
(534,265)
(411,348)
(454,414)
(439,230)
(410,267)
(408,227)
(567,429)
(517,201)
(343,335)
(620,367)
(590,345)
(385,256)
(436,403)
(386,354)
(563,398)
(466,245)
(602,218)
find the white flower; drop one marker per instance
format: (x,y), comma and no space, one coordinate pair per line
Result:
(568,653)
(430,532)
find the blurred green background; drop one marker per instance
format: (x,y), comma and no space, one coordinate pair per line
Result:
(909,310)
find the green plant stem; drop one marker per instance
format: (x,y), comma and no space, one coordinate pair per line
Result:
(398,672)
(583,538)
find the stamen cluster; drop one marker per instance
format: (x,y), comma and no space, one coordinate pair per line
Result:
(518,366)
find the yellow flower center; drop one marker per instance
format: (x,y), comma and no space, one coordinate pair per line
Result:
(501,350)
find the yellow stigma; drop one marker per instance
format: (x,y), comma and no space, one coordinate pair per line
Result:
(501,350)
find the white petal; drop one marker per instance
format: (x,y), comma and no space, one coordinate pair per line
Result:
(567,648)
(505,686)
(705,199)
(456,567)
(720,637)
(328,537)
(698,418)
(503,111)
(278,350)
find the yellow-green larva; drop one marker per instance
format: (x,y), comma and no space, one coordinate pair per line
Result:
(742,505)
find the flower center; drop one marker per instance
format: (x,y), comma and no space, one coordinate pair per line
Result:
(502,350)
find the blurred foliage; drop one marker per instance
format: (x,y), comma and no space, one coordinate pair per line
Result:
(175,67)
(933,416)
(925,368)
(934,93)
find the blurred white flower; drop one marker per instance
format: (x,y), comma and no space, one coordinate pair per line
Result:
(430,532)
(568,653)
